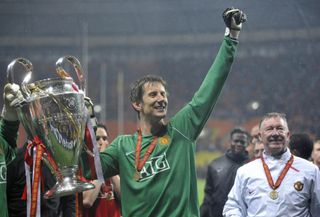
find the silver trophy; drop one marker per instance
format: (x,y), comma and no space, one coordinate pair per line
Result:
(54,110)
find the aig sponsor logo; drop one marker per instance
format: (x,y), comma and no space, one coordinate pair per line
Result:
(3,173)
(154,166)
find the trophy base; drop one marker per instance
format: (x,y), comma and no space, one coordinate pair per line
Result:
(68,187)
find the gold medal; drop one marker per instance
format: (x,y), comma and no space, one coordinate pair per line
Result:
(109,195)
(273,194)
(136,176)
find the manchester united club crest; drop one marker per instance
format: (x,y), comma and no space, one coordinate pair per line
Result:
(298,186)
(164,140)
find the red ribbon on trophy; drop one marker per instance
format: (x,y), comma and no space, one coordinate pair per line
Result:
(34,154)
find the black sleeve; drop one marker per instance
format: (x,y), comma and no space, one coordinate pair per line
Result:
(16,181)
(58,206)
(68,206)
(49,207)
(205,209)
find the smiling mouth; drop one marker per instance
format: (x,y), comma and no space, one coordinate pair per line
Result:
(276,143)
(277,139)
(160,107)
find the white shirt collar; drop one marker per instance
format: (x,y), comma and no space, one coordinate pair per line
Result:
(284,157)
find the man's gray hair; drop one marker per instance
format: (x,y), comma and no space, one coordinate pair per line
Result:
(273,115)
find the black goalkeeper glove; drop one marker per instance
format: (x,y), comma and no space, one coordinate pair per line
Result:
(233,19)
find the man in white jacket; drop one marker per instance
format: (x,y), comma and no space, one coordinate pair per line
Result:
(278,183)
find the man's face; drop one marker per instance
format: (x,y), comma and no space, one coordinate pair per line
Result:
(102,138)
(316,153)
(275,135)
(254,133)
(154,101)
(258,149)
(254,137)
(239,141)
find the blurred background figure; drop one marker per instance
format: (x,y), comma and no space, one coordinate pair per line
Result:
(221,173)
(104,200)
(258,148)
(316,153)
(301,145)
(254,136)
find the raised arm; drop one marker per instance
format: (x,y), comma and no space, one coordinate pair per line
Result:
(195,114)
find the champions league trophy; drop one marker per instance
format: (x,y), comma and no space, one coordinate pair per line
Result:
(53,111)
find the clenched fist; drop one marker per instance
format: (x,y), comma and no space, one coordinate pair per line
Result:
(233,19)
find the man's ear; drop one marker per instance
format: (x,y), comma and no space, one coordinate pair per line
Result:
(259,135)
(136,106)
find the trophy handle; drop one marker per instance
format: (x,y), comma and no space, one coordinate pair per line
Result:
(28,68)
(77,67)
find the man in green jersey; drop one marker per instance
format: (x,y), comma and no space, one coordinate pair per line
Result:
(157,163)
(9,125)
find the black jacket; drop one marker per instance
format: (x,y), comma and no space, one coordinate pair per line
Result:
(220,178)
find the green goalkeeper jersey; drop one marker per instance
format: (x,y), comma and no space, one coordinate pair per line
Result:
(8,136)
(168,185)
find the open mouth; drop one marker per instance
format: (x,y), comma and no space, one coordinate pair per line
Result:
(276,141)
(160,107)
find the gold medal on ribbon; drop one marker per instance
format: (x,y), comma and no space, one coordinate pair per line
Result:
(138,163)
(136,176)
(109,195)
(273,194)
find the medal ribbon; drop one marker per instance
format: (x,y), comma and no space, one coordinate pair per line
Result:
(33,210)
(91,144)
(140,164)
(79,196)
(33,160)
(282,174)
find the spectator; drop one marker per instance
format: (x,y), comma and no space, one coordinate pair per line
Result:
(316,153)
(258,148)
(221,173)
(101,201)
(301,145)
(254,136)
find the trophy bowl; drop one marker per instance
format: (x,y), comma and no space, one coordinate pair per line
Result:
(54,110)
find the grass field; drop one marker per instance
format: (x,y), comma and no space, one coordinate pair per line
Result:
(203,158)
(201,183)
